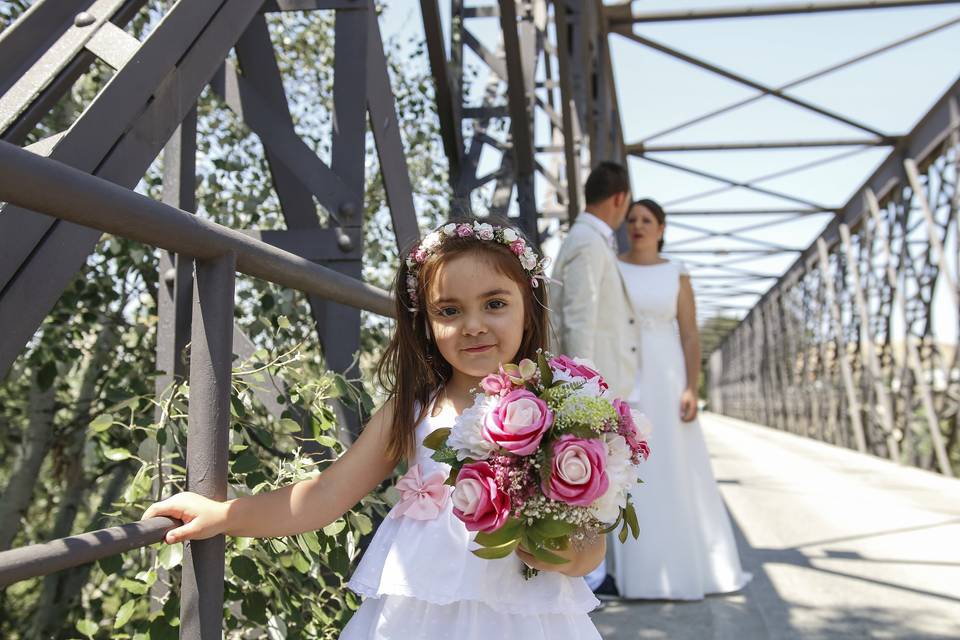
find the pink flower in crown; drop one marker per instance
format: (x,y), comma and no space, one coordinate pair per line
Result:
(577,473)
(576,368)
(518,422)
(518,246)
(628,428)
(421,498)
(420,255)
(464,231)
(478,500)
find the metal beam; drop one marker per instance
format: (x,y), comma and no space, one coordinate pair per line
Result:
(640,148)
(27,180)
(447,106)
(43,559)
(620,17)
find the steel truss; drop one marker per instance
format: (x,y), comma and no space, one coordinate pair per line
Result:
(843,348)
(846,347)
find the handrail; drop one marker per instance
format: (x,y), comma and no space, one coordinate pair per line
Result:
(64,553)
(51,187)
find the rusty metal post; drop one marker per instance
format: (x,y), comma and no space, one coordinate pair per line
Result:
(201,598)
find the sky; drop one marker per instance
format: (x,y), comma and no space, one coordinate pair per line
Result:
(887,93)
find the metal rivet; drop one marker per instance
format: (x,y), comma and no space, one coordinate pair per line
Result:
(170,276)
(347,209)
(344,241)
(84,19)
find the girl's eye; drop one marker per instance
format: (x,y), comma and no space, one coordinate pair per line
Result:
(496,304)
(446,312)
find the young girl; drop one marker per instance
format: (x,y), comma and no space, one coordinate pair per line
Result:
(469,297)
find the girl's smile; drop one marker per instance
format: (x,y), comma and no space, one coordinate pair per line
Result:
(476,316)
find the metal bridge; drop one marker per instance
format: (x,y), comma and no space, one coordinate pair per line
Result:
(841,347)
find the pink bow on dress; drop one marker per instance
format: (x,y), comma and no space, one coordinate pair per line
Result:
(421,498)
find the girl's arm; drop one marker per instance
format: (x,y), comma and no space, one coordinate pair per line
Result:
(690,341)
(304,506)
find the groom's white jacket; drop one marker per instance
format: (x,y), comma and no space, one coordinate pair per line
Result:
(590,310)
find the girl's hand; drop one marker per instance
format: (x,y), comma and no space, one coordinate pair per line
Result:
(688,405)
(579,563)
(202,517)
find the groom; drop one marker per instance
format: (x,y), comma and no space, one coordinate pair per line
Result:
(590,310)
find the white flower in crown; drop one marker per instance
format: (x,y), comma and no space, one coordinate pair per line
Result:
(431,241)
(450,229)
(509,235)
(484,230)
(411,281)
(528,261)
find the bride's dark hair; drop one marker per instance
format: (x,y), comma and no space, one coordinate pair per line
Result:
(653,207)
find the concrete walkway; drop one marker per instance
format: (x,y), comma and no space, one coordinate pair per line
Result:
(841,545)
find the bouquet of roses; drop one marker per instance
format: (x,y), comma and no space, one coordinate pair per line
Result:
(543,459)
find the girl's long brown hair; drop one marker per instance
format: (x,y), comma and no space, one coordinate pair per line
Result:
(412,371)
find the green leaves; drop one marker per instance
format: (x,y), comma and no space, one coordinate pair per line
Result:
(510,531)
(124,614)
(101,423)
(546,374)
(497,552)
(87,627)
(436,439)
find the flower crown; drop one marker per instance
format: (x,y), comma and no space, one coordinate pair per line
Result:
(532,265)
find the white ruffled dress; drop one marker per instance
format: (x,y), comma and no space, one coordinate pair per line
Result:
(419,581)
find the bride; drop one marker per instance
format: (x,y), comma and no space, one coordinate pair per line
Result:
(686,547)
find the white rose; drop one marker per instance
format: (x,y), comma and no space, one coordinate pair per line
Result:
(450,229)
(509,234)
(466,436)
(528,262)
(622,475)
(484,231)
(431,241)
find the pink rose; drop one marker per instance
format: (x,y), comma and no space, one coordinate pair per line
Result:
(464,231)
(518,422)
(477,500)
(628,429)
(420,255)
(518,246)
(577,370)
(496,384)
(577,474)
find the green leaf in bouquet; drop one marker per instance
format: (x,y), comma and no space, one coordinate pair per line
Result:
(542,554)
(452,478)
(546,375)
(623,533)
(553,528)
(615,523)
(631,518)
(495,553)
(557,544)
(509,532)
(437,439)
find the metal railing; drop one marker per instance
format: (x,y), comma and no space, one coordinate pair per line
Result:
(56,189)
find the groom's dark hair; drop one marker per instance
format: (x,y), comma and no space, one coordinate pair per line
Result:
(606,179)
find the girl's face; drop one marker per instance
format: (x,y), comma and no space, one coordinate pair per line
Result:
(476,316)
(643,228)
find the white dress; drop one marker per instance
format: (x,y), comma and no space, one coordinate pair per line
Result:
(420,581)
(686,547)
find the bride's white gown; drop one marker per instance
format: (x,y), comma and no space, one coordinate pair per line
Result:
(686,547)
